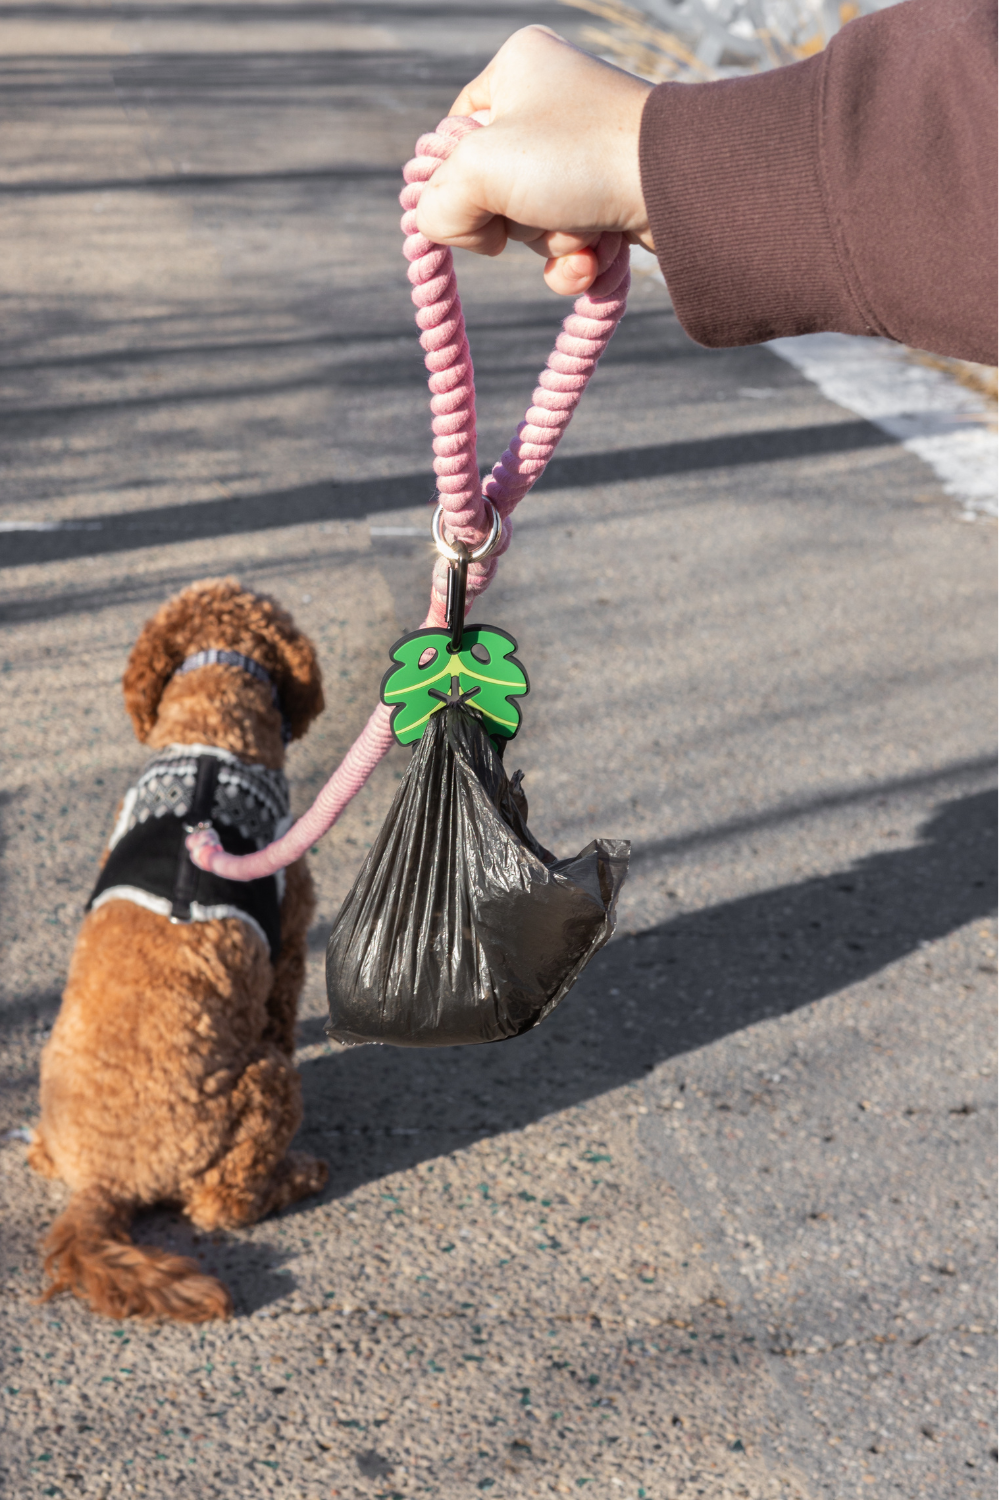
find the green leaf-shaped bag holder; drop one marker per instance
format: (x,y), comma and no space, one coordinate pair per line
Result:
(427,673)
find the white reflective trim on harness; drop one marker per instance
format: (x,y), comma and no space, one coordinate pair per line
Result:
(124,817)
(162,908)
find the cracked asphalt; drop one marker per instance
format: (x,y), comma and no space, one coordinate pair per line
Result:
(724,1224)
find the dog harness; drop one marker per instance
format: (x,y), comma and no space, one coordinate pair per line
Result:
(181,788)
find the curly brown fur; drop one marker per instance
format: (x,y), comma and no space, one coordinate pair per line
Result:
(168,1075)
(297,911)
(218,612)
(88,1252)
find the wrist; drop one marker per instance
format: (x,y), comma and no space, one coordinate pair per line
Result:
(634,216)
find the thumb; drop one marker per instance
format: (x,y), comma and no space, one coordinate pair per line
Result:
(571,274)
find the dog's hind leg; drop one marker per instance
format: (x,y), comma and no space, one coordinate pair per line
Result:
(88,1252)
(256,1174)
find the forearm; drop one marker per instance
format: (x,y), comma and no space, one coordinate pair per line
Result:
(854,191)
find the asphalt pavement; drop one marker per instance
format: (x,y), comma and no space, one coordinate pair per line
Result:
(723,1225)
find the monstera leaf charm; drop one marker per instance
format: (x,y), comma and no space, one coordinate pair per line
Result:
(424,676)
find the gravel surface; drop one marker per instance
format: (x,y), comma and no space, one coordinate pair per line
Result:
(723,1226)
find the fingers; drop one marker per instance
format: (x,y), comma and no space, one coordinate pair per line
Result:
(556,165)
(569,275)
(551,242)
(449,214)
(570,263)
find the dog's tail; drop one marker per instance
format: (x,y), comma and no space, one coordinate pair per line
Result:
(88,1252)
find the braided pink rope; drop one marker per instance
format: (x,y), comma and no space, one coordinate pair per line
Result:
(461,492)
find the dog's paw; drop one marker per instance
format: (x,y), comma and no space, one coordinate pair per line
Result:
(308,1173)
(297,1176)
(39,1159)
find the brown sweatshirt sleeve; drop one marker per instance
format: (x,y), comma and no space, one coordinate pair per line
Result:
(854,192)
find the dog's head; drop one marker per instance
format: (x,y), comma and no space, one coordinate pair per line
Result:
(220,703)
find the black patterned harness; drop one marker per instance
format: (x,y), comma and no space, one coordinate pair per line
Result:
(147,860)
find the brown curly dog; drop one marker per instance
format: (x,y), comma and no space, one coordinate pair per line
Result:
(168,1076)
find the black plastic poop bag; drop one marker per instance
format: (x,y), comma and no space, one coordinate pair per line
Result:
(460,927)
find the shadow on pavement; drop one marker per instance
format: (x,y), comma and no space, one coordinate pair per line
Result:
(192,182)
(647,998)
(255,1271)
(328,500)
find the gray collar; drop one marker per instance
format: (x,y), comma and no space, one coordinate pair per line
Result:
(216,657)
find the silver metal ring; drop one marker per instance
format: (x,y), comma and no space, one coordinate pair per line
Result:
(483,550)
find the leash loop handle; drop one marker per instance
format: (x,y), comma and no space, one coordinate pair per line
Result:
(463,496)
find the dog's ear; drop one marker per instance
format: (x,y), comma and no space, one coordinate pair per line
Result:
(291,659)
(220,613)
(188,622)
(152,661)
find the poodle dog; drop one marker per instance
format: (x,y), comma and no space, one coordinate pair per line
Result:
(168,1076)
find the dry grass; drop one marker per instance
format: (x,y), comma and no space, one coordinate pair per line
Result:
(638,45)
(635,42)
(982,379)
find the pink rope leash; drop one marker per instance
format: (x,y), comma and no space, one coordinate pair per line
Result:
(460,490)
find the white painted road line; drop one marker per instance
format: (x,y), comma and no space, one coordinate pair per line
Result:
(948,426)
(50,525)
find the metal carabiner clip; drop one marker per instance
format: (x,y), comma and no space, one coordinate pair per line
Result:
(458,558)
(454,608)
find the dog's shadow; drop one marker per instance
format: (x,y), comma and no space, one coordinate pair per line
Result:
(252,1270)
(675,987)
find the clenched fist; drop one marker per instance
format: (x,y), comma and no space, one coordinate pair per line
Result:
(557,165)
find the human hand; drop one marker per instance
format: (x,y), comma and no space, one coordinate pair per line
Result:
(556,167)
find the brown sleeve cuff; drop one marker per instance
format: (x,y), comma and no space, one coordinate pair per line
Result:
(731,178)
